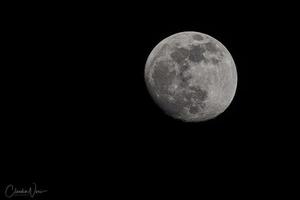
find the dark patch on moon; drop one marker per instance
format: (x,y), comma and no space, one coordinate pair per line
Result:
(199,93)
(197,37)
(211,47)
(179,54)
(184,80)
(183,76)
(193,109)
(184,66)
(196,53)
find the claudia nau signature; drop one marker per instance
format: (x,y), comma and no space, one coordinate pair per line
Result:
(12,191)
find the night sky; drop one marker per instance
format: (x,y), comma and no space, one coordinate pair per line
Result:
(77,119)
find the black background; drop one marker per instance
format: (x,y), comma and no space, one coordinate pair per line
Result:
(77,118)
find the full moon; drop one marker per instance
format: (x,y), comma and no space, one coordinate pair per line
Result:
(191,76)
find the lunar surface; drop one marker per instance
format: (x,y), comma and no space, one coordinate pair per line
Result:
(191,76)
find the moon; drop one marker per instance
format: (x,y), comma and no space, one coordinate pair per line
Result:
(191,76)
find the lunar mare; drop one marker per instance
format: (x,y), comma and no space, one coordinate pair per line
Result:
(191,76)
